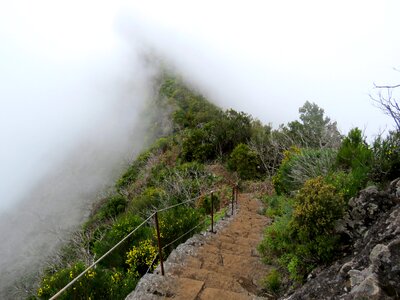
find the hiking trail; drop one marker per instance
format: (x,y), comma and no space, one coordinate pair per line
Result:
(221,265)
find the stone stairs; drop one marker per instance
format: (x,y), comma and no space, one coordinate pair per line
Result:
(221,265)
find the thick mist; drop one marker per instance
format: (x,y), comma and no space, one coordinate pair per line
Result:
(267,57)
(74,111)
(70,169)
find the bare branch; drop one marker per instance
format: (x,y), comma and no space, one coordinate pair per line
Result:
(386,86)
(387,103)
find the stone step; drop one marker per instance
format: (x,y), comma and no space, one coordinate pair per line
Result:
(244,232)
(245,241)
(227,264)
(213,294)
(210,278)
(152,286)
(247,225)
(230,264)
(228,248)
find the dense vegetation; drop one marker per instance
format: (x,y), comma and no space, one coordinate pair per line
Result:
(314,170)
(313,186)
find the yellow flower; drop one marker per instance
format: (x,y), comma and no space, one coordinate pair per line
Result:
(90,274)
(116,277)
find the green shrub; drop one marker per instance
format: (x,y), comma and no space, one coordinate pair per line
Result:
(121,228)
(311,163)
(317,207)
(354,152)
(94,284)
(277,240)
(140,258)
(191,109)
(131,174)
(204,203)
(156,174)
(162,144)
(273,281)
(186,181)
(197,145)
(347,183)
(114,206)
(300,165)
(281,180)
(303,236)
(174,223)
(278,206)
(231,129)
(122,284)
(147,201)
(386,161)
(97,283)
(245,162)
(296,267)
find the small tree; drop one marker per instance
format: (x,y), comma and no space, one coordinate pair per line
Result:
(245,162)
(269,145)
(314,130)
(354,152)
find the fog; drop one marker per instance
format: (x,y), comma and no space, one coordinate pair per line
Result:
(75,78)
(267,58)
(72,95)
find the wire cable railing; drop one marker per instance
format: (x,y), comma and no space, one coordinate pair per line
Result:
(174,241)
(100,259)
(186,233)
(160,247)
(178,204)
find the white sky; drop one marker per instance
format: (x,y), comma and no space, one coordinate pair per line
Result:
(60,60)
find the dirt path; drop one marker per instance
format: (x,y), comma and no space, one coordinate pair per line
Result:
(224,265)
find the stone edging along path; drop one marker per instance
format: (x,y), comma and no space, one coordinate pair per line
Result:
(224,265)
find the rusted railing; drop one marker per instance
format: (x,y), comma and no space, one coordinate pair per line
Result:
(160,246)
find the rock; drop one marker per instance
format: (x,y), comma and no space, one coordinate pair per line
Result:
(356,277)
(379,253)
(394,222)
(372,209)
(368,288)
(345,269)
(395,187)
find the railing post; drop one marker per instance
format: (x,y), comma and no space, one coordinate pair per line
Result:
(212,212)
(159,243)
(236,194)
(233,197)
